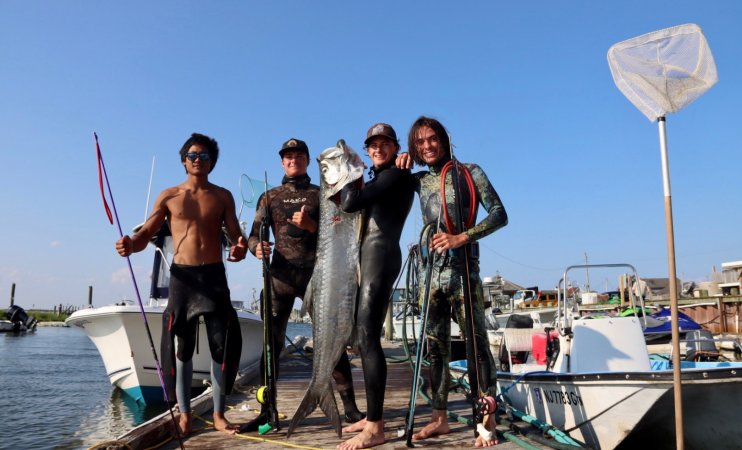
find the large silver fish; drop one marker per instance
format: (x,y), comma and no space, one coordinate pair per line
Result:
(334,284)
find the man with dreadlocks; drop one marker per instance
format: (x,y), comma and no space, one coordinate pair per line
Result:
(429,145)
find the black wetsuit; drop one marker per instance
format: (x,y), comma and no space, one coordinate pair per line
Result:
(200,291)
(386,200)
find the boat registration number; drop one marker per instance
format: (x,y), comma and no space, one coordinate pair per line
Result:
(557,397)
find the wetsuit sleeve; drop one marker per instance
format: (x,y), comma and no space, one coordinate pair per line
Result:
(496,216)
(353,198)
(254,239)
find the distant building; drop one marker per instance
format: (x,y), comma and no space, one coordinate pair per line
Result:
(730,278)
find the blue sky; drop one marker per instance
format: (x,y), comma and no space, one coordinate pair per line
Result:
(523,87)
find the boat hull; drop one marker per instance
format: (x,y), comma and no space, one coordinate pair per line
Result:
(409,328)
(634,410)
(119,334)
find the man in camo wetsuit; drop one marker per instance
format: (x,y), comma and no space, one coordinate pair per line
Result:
(429,144)
(294,218)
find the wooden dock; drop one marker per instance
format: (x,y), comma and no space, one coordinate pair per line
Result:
(316,431)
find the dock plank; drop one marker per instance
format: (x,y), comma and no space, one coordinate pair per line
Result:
(316,431)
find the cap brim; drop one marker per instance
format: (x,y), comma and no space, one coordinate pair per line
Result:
(368,139)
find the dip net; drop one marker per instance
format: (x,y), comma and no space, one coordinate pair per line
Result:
(663,71)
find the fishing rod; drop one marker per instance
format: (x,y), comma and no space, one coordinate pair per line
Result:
(266,394)
(425,237)
(482,404)
(102,174)
(427,233)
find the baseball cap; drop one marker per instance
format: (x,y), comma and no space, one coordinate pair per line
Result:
(381,129)
(294,144)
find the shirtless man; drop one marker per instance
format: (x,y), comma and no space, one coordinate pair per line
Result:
(196,210)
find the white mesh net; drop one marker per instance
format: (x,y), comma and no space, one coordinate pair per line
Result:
(663,71)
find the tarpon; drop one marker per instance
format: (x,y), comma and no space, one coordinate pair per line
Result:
(334,284)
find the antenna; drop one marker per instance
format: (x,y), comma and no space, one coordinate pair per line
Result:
(587,274)
(149,188)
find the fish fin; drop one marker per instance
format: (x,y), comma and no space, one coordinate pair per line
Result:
(308,405)
(329,406)
(306,301)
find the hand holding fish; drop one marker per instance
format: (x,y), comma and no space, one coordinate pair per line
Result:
(303,220)
(442,242)
(238,252)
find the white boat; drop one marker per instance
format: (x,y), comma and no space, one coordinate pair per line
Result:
(119,334)
(539,306)
(595,380)
(408,325)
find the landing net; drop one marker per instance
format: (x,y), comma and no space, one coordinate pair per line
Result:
(665,70)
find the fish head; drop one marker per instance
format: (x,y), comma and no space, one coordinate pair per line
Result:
(338,166)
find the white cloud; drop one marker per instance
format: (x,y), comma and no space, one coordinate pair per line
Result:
(55,244)
(121,276)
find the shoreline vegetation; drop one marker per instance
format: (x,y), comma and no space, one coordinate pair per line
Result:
(42,315)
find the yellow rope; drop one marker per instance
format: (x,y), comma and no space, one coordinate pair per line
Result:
(271,441)
(260,439)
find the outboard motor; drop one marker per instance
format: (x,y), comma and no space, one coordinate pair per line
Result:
(700,346)
(20,319)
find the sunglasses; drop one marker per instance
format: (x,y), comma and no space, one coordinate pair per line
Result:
(194,156)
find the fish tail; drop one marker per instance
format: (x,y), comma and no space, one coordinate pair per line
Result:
(329,406)
(325,399)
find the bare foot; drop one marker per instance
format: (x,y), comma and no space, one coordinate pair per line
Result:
(184,424)
(355,427)
(222,424)
(437,426)
(371,436)
(486,437)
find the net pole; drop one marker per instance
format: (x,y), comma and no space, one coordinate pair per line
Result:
(679,443)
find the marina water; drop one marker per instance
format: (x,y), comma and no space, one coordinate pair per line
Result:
(54,392)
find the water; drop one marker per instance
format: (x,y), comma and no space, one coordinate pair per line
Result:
(54,392)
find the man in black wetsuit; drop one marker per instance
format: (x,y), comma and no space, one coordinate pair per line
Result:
(386,200)
(196,210)
(294,217)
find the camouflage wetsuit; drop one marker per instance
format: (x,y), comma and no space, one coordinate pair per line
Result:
(446,292)
(292,259)
(291,266)
(386,201)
